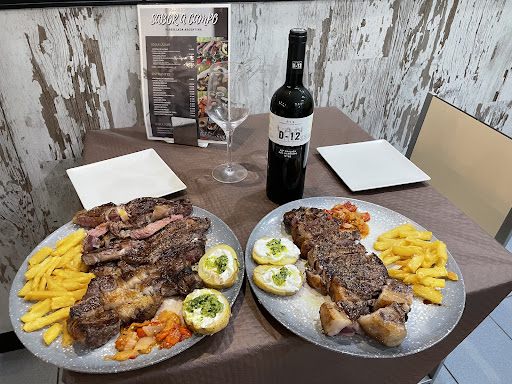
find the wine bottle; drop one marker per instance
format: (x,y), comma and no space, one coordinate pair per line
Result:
(291,118)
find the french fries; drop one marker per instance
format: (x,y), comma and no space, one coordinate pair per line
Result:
(56,279)
(52,333)
(421,262)
(67,340)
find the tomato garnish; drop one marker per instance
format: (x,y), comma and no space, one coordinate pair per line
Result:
(173,338)
(141,333)
(185,332)
(172,333)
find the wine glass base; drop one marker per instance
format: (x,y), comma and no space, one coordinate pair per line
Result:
(226,174)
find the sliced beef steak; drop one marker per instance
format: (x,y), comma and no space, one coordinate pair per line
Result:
(117,249)
(139,258)
(186,237)
(109,268)
(364,297)
(90,324)
(149,209)
(311,226)
(97,215)
(355,277)
(100,285)
(395,291)
(386,325)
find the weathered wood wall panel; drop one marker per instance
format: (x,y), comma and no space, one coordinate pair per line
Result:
(65,71)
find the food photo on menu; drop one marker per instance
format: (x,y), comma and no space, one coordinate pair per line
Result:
(209,51)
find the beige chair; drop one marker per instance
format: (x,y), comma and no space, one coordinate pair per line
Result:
(469,162)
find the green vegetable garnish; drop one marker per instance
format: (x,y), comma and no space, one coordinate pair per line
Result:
(222,263)
(209,304)
(218,264)
(275,247)
(280,277)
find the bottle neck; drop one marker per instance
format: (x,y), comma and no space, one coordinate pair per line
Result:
(295,66)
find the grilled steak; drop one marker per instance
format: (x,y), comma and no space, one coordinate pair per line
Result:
(100,285)
(97,215)
(336,239)
(115,251)
(311,226)
(90,324)
(137,212)
(395,291)
(186,236)
(150,209)
(342,317)
(138,219)
(364,296)
(131,304)
(93,239)
(354,277)
(139,258)
(386,325)
(109,268)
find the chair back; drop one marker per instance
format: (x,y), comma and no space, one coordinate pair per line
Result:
(469,162)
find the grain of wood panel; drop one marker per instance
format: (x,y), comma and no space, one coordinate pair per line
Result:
(65,71)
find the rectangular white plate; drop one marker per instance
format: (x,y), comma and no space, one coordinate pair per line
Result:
(371,164)
(123,178)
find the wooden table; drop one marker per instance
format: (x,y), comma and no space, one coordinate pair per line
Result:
(255,348)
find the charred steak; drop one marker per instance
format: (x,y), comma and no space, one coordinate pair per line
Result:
(140,252)
(365,298)
(90,324)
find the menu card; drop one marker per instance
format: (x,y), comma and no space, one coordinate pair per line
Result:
(178,44)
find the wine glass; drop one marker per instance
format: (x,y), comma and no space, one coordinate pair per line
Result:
(227,106)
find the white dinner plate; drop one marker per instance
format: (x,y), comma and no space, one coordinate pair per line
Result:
(371,164)
(124,178)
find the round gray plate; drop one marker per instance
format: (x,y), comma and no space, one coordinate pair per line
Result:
(80,359)
(427,324)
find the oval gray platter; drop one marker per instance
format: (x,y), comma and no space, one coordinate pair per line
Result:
(80,359)
(426,326)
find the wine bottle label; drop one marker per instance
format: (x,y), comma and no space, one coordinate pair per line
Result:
(290,132)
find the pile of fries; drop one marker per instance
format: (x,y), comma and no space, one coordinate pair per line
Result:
(56,278)
(421,262)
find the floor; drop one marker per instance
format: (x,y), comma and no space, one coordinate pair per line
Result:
(484,357)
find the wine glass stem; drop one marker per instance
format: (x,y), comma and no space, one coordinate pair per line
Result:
(229,139)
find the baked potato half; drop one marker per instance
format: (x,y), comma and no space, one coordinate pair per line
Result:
(275,251)
(283,280)
(206,311)
(219,267)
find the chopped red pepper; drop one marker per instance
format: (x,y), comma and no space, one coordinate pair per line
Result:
(185,332)
(350,206)
(141,333)
(173,338)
